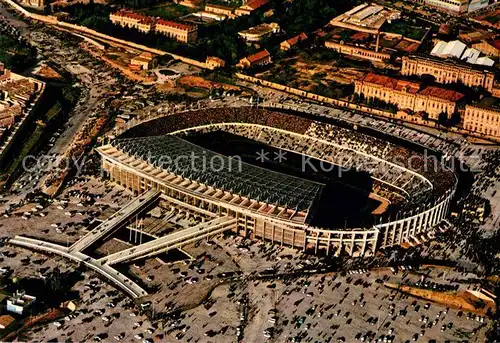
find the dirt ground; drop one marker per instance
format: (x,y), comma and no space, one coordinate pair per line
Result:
(47,72)
(463,300)
(309,74)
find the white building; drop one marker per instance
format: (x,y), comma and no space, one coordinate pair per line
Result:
(456,7)
(19,302)
(477,5)
(458,50)
(453,49)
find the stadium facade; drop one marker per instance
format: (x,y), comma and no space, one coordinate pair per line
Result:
(273,206)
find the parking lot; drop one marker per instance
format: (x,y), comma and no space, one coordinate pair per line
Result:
(319,307)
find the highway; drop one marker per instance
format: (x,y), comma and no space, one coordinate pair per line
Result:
(172,241)
(115,277)
(116,221)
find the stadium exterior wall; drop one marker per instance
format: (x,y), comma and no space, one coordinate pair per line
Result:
(354,242)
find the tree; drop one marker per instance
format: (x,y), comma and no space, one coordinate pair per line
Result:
(362,98)
(454,119)
(443,118)
(355,98)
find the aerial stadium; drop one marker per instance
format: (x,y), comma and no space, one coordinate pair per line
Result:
(288,179)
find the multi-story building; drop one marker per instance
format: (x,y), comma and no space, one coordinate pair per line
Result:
(181,32)
(224,10)
(189,3)
(475,36)
(19,98)
(482,120)
(144,61)
(39,4)
(489,47)
(448,72)
(133,20)
(477,5)
(20,302)
(259,32)
(250,7)
(408,95)
(213,62)
(260,58)
(178,31)
(16,93)
(456,7)
(290,43)
(358,52)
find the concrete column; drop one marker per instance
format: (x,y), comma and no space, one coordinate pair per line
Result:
(406,234)
(393,227)
(433,216)
(363,249)
(441,207)
(264,231)
(426,221)
(420,221)
(400,228)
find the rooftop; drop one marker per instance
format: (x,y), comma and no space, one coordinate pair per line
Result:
(146,56)
(227,8)
(475,36)
(450,62)
(255,4)
(299,38)
(133,15)
(495,43)
(390,82)
(365,18)
(174,24)
(258,56)
(412,87)
(6,320)
(491,102)
(21,299)
(442,93)
(261,29)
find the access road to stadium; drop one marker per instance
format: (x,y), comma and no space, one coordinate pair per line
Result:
(115,277)
(115,222)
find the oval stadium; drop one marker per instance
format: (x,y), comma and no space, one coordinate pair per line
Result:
(323,187)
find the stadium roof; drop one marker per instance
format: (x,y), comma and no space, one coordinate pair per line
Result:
(195,163)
